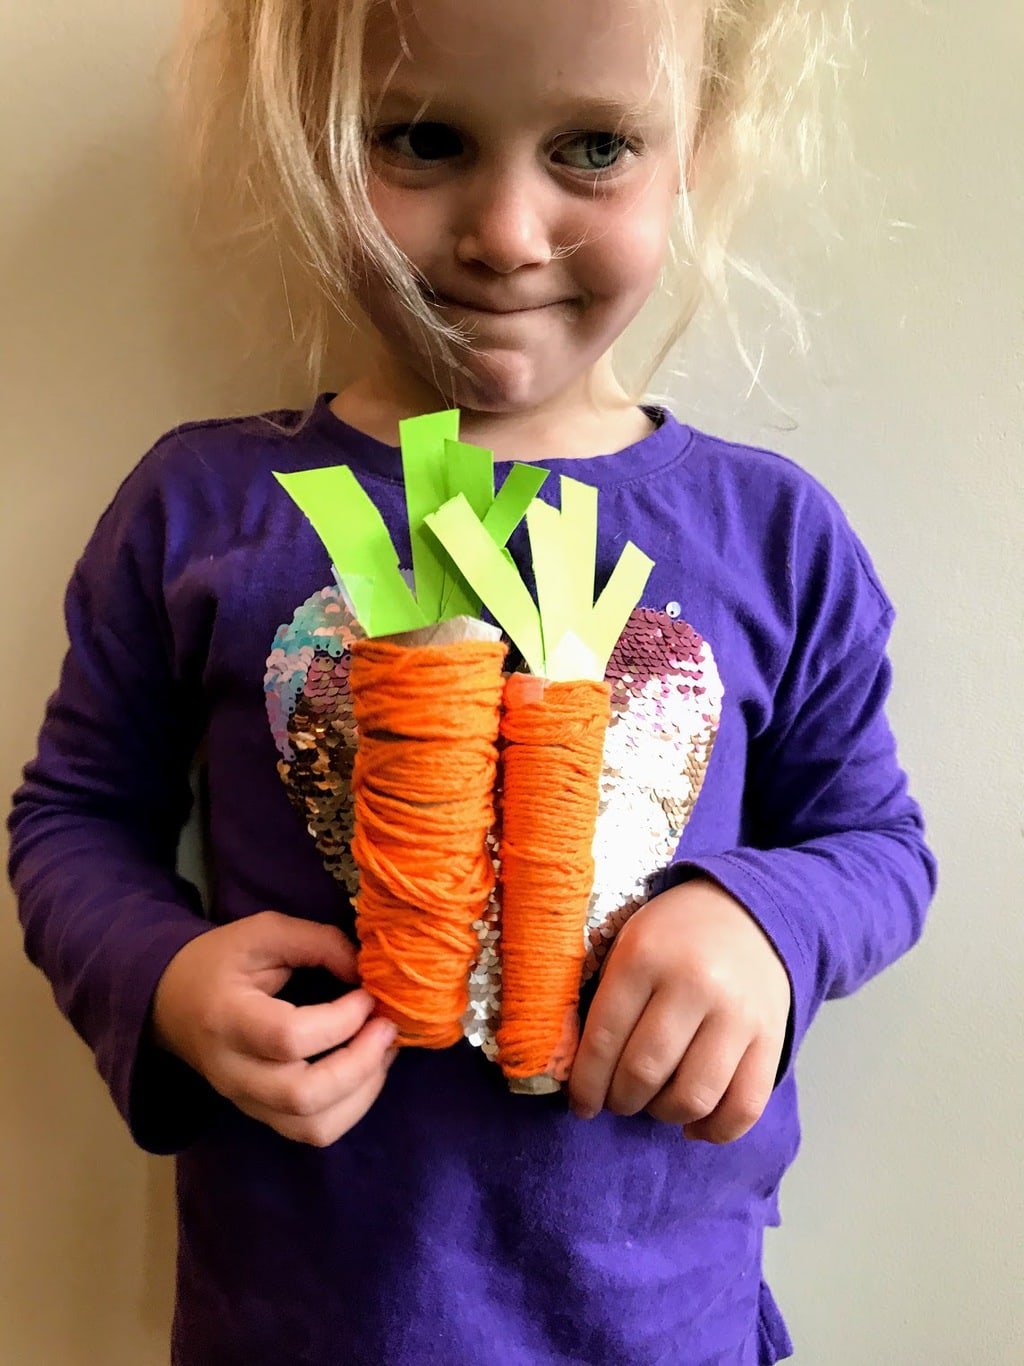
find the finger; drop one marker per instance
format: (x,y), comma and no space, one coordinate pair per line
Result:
(329,1125)
(268,1028)
(652,1054)
(619,1002)
(286,941)
(303,1089)
(707,1068)
(743,1102)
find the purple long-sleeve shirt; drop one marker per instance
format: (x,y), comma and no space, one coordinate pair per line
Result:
(457,1222)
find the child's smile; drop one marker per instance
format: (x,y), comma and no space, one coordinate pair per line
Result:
(522,161)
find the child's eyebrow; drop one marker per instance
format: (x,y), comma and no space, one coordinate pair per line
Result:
(584,105)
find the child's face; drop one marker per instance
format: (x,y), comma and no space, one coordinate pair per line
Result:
(536,207)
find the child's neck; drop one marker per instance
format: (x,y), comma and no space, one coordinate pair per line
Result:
(597,419)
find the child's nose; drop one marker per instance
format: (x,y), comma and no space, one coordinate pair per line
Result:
(502,223)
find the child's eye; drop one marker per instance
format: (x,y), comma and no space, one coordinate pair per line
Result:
(595,152)
(420,141)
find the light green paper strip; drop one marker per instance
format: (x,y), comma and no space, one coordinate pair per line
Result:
(521,486)
(470,470)
(579,539)
(553,573)
(604,624)
(500,518)
(357,541)
(425,467)
(489,572)
(564,550)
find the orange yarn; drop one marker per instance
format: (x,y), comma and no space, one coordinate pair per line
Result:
(554,743)
(423,791)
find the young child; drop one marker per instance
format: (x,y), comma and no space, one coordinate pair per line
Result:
(496,186)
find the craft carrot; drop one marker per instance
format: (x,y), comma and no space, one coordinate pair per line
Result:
(553,725)
(423,788)
(553,735)
(426,687)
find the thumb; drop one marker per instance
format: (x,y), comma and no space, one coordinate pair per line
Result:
(279,940)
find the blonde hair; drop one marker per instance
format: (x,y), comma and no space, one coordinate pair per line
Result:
(269,131)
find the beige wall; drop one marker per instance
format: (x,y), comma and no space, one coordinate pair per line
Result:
(902,1220)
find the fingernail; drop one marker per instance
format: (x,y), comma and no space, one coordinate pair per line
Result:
(581,1112)
(390,1056)
(389,1032)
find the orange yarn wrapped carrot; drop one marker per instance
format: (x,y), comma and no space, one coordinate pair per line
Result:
(554,739)
(423,789)
(426,684)
(553,725)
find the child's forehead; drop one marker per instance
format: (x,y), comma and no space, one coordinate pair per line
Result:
(505,50)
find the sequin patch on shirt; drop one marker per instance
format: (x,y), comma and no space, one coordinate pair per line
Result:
(666,705)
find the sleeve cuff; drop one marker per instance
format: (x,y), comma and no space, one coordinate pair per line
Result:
(166,1104)
(733,873)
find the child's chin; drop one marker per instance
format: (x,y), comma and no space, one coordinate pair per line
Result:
(501,386)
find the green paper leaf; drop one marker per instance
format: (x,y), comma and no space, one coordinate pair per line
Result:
(521,486)
(359,546)
(425,466)
(491,574)
(564,549)
(470,470)
(603,625)
(552,572)
(579,532)
(500,517)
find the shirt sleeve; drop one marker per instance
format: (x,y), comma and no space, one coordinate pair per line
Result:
(834,866)
(96,823)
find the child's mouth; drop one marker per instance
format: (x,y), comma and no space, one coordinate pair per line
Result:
(492,309)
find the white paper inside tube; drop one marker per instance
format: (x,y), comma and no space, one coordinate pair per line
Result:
(572,659)
(451,632)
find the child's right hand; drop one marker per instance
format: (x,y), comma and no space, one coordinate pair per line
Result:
(214,1008)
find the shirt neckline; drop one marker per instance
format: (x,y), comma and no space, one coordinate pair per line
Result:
(669,441)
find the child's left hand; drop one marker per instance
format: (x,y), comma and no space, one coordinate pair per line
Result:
(689,1019)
